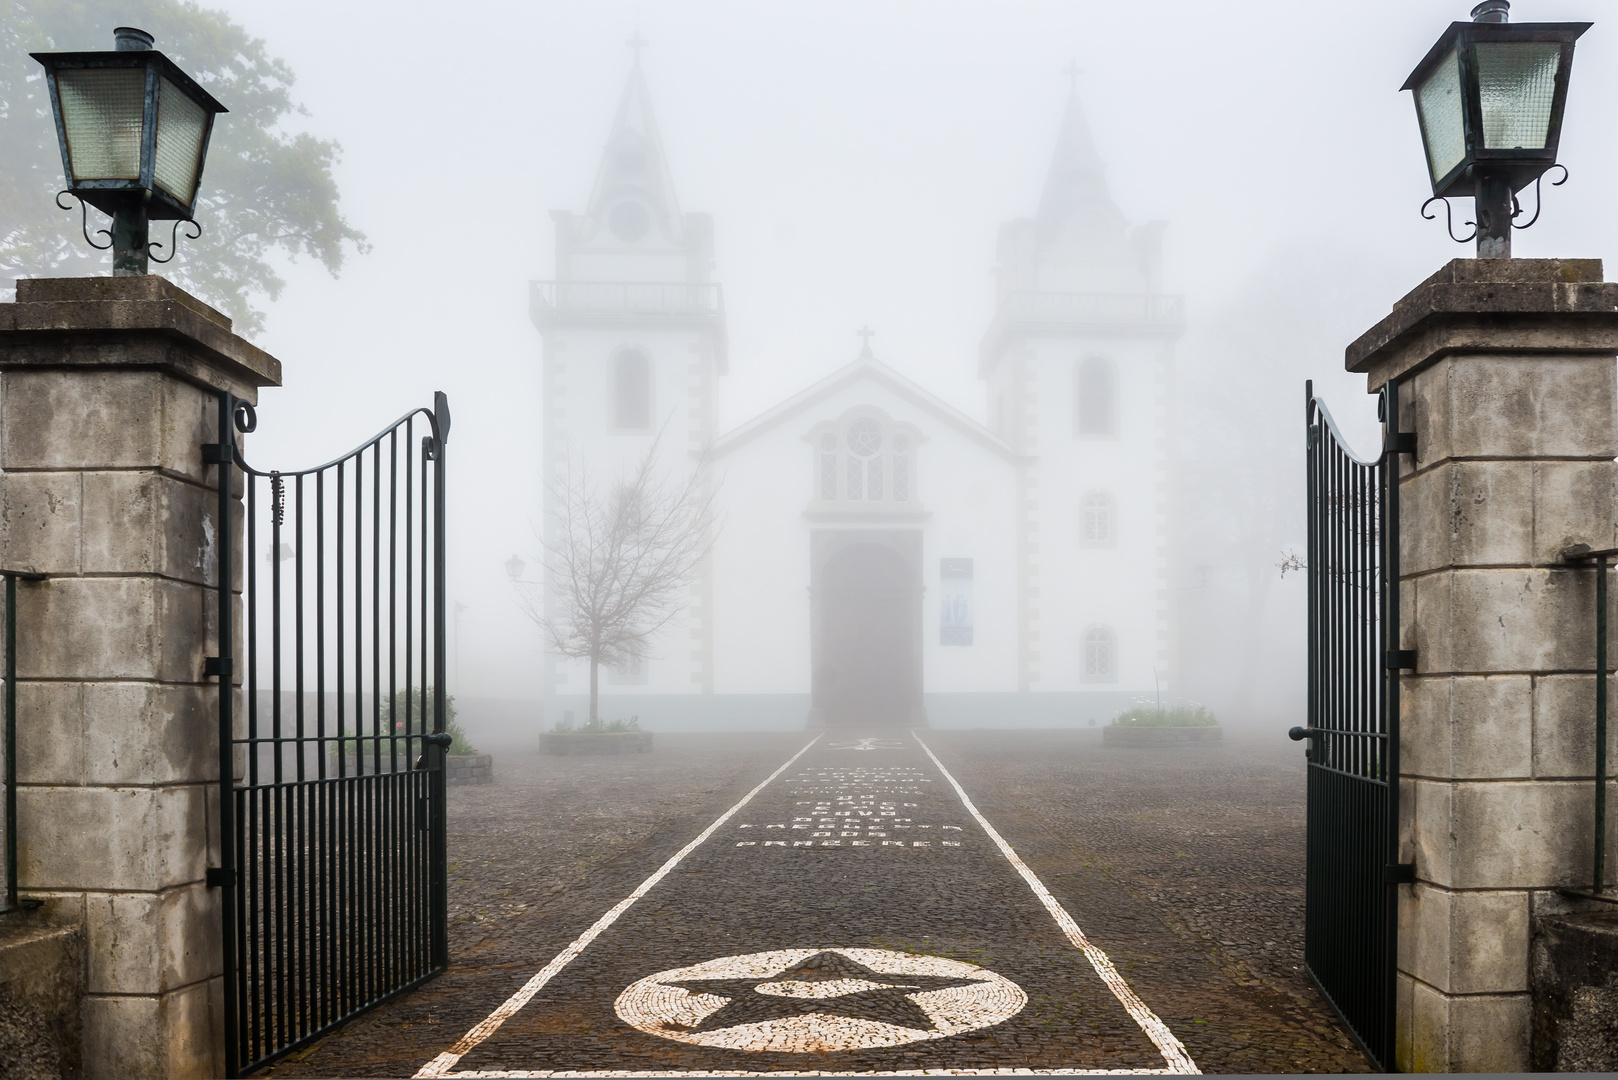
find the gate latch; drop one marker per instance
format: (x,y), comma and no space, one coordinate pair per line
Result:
(1401,659)
(217,665)
(219,877)
(1400,873)
(214,453)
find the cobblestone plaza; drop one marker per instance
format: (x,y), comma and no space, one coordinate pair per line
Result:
(930,901)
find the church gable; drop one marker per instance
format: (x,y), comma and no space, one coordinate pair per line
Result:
(866,378)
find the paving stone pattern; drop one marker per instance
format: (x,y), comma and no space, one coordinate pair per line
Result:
(780,932)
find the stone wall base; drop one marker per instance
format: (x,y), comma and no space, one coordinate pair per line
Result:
(41,1000)
(1574,979)
(464,769)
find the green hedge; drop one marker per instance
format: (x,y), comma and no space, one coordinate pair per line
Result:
(1178,716)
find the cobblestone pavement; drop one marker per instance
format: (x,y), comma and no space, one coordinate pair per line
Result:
(856,916)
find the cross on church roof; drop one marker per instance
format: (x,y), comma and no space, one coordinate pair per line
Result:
(1073,71)
(867,333)
(637,43)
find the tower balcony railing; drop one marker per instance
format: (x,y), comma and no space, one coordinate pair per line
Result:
(557,298)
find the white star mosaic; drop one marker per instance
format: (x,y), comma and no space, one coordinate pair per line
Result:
(883,998)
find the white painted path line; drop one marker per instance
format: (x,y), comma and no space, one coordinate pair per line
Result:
(1173,1050)
(443,1063)
(503,1074)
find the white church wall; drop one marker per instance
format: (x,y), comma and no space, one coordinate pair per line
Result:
(584,429)
(1114,586)
(629,265)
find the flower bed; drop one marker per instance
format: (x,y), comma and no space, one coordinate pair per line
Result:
(1182,725)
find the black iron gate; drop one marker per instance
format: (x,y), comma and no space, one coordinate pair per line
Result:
(332,867)
(1350,916)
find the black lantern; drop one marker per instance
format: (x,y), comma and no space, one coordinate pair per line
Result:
(134,133)
(514,568)
(1489,96)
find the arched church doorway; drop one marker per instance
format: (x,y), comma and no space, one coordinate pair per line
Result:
(867,626)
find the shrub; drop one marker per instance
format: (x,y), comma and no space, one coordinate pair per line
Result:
(605,726)
(1176,716)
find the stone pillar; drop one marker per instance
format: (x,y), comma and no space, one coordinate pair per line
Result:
(1506,370)
(106,399)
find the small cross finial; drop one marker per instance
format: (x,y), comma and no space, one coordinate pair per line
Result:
(1073,71)
(637,43)
(867,333)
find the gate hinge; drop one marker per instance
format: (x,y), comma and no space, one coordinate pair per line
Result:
(1400,659)
(218,877)
(218,665)
(1400,442)
(214,453)
(1399,873)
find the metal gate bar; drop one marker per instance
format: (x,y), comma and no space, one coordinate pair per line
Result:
(1351,913)
(332,798)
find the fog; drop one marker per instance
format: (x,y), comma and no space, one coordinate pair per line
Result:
(858,159)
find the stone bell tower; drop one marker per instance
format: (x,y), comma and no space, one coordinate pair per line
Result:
(633,327)
(1077,365)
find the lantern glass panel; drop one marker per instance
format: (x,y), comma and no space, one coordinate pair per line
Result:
(1517,87)
(1439,102)
(182,125)
(102,113)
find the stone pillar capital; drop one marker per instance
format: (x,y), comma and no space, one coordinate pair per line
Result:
(144,322)
(1492,306)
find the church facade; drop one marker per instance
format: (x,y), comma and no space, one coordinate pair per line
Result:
(882,558)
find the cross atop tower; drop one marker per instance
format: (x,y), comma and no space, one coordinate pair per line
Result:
(637,43)
(1073,71)
(866,333)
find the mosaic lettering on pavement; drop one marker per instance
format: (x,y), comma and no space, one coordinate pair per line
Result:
(858,807)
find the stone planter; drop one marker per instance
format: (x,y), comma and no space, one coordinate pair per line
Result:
(1117,735)
(594,742)
(463,769)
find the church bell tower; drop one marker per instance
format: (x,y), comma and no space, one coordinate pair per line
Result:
(633,331)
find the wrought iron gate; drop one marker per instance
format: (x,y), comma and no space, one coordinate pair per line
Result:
(331,812)
(1350,915)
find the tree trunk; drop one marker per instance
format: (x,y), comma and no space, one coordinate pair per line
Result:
(594,668)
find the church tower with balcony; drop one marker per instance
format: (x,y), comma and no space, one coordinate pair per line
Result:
(633,332)
(1077,366)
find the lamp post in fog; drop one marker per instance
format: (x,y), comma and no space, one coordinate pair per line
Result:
(1489,97)
(133,130)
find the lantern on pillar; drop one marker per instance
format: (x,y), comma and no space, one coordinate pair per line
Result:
(1489,98)
(133,130)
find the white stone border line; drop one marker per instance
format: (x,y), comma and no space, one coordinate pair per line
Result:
(508,1074)
(1174,1052)
(443,1063)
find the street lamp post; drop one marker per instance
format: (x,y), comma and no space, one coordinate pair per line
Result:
(1489,98)
(133,130)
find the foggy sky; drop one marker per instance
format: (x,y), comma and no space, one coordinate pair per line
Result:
(858,159)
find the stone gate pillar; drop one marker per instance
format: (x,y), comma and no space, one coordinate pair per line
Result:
(1506,370)
(106,398)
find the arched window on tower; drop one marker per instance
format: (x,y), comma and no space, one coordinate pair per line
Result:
(1096,394)
(1100,655)
(1097,524)
(632,391)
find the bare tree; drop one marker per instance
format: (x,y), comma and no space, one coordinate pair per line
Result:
(619,564)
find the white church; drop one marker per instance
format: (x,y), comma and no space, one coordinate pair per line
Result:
(917,565)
